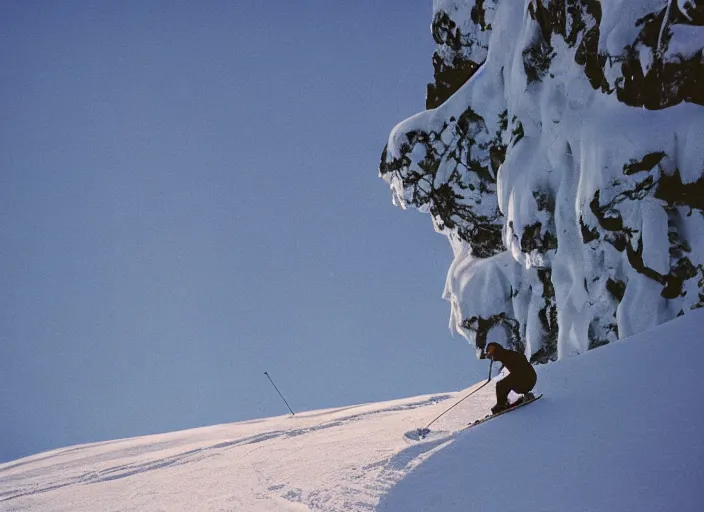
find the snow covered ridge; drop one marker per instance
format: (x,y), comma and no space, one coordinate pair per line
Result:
(563,156)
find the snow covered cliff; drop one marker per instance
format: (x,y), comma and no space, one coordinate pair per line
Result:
(562,153)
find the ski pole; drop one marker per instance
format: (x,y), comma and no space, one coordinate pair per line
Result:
(460,401)
(282,396)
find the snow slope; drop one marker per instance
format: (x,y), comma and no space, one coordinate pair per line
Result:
(627,440)
(630,439)
(337,459)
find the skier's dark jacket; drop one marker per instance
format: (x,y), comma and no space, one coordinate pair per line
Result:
(515,363)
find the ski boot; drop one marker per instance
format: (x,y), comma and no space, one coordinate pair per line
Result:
(500,407)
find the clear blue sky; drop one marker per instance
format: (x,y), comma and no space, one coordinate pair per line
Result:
(189,197)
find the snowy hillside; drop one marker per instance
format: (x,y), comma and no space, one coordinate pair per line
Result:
(563,156)
(619,428)
(627,440)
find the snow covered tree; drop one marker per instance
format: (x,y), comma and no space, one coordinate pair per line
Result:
(562,153)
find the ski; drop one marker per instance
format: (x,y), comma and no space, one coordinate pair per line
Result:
(423,434)
(518,405)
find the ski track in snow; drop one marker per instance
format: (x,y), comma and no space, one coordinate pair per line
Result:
(629,441)
(354,481)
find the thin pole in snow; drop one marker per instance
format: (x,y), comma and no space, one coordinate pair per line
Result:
(282,396)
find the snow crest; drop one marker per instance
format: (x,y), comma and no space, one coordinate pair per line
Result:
(562,153)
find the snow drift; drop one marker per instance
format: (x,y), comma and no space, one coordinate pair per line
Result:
(563,156)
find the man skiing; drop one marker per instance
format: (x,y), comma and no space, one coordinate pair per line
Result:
(522,377)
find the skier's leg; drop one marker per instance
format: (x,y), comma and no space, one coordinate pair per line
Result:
(503,387)
(524,384)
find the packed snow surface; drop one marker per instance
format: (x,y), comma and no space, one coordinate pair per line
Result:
(629,440)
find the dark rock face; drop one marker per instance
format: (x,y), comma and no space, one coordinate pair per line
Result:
(562,155)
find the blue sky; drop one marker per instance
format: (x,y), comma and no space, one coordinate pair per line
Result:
(189,197)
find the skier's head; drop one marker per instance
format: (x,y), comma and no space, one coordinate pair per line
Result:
(492,349)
